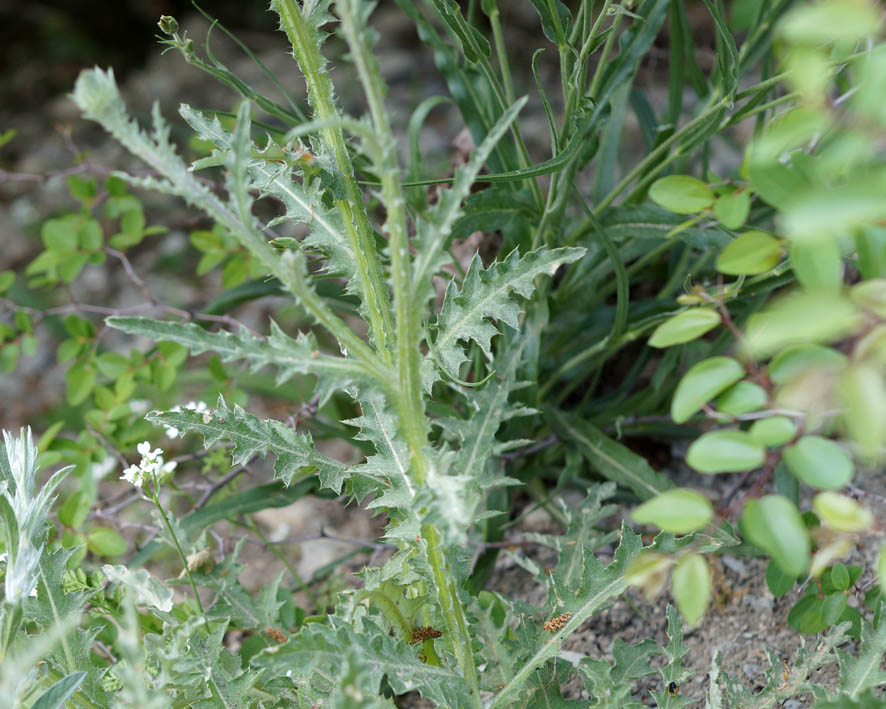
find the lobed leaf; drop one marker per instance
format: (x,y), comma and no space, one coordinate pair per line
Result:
(291,356)
(252,436)
(487,294)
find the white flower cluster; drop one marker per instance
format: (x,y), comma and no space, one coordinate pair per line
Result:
(151,465)
(198,406)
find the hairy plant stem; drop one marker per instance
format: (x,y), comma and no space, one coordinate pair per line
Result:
(409,402)
(450,605)
(178,547)
(306,49)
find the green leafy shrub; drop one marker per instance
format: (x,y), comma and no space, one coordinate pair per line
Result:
(531,360)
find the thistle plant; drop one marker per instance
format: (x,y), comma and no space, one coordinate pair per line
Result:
(525,376)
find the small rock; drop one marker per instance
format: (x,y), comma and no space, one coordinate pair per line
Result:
(733,564)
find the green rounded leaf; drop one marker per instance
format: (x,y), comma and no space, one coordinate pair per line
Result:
(774,525)
(819,462)
(741,398)
(817,263)
(685,327)
(702,383)
(863,394)
(112,364)
(778,581)
(797,359)
(681,194)
(7,278)
(60,234)
(799,318)
(751,253)
(830,21)
(773,431)
(725,452)
(840,577)
(80,380)
(678,511)
(649,571)
(691,587)
(881,567)
(870,295)
(807,615)
(732,209)
(105,542)
(841,513)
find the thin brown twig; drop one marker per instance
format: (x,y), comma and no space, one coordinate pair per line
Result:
(218,485)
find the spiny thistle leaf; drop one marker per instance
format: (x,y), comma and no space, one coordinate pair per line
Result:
(252,436)
(673,672)
(52,607)
(436,226)
(388,468)
(315,660)
(778,687)
(303,202)
(610,683)
(291,356)
(96,94)
(590,586)
(490,409)
(488,294)
(211,673)
(863,672)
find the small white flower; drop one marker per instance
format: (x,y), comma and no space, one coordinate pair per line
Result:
(197,406)
(151,464)
(134,475)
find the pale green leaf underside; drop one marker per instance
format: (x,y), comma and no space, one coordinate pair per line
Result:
(291,356)
(487,294)
(252,436)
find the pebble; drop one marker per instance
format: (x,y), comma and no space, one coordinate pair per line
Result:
(733,564)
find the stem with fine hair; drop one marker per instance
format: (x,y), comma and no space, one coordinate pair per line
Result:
(306,49)
(178,547)
(409,401)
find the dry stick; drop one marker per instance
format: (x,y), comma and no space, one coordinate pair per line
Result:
(218,485)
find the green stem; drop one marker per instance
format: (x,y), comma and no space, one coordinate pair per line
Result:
(502,54)
(306,49)
(181,554)
(453,613)
(408,400)
(604,56)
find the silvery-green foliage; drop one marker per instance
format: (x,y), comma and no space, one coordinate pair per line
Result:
(295,452)
(24,511)
(434,398)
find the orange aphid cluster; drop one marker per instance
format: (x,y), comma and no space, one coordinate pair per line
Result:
(554,624)
(423,633)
